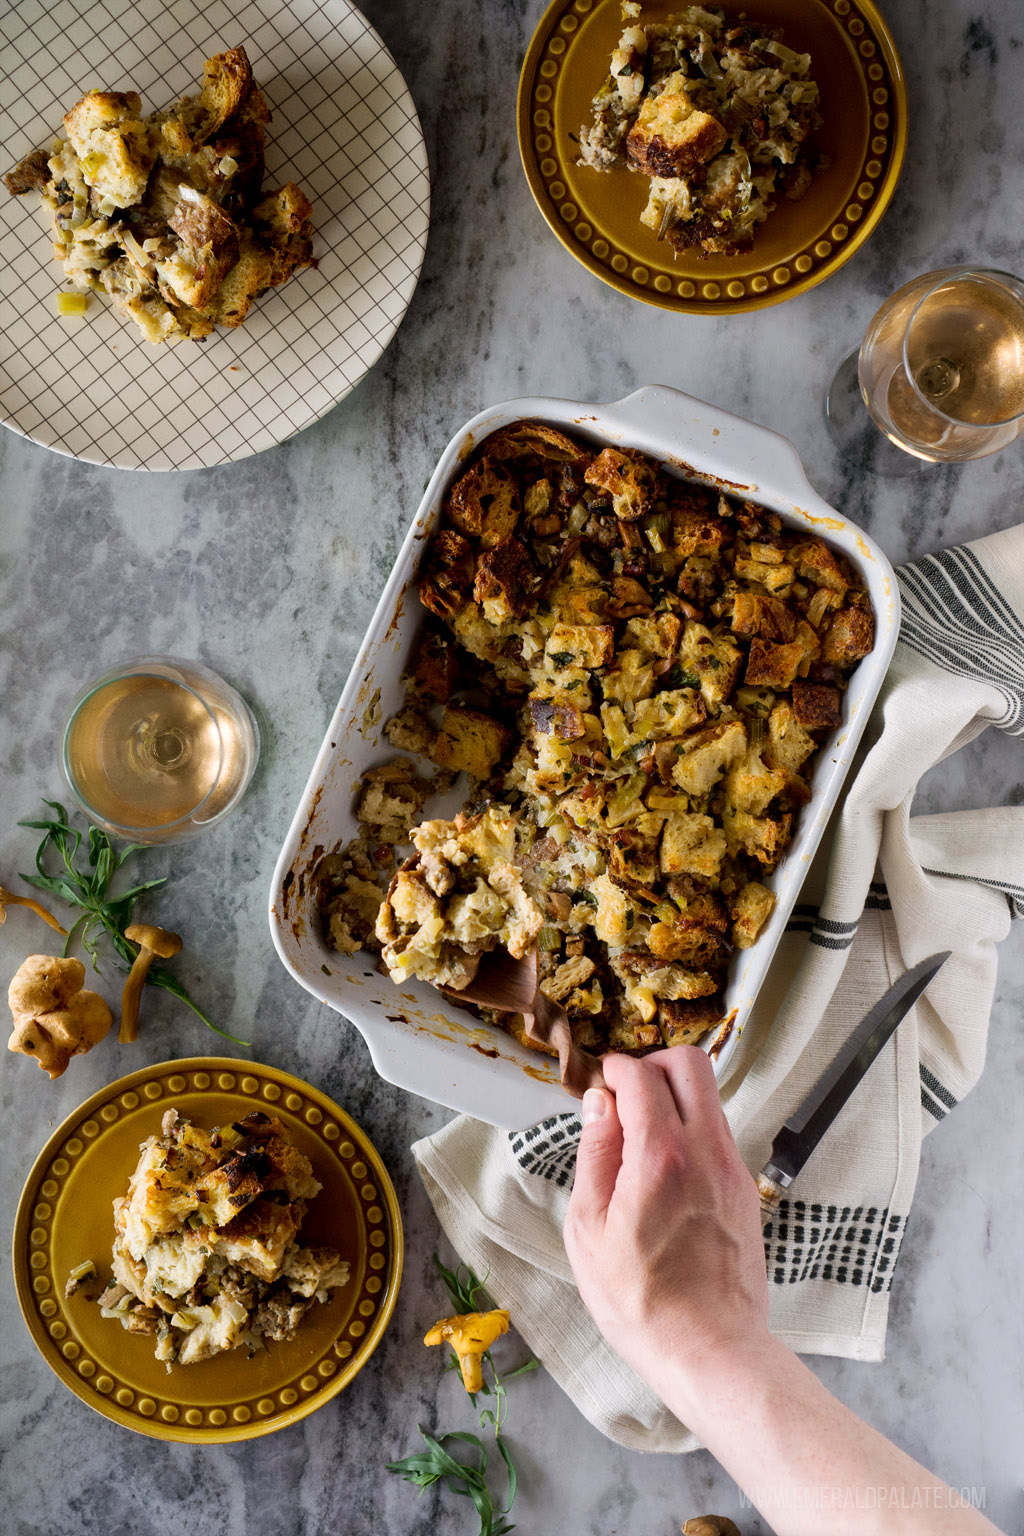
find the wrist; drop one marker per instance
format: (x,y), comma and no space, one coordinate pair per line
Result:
(710,1382)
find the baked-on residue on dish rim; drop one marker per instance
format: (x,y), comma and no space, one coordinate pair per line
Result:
(416,1040)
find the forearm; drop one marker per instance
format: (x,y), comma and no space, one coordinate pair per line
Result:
(809,1464)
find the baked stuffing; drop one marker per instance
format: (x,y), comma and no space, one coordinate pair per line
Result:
(206,1253)
(716,113)
(166,213)
(641,669)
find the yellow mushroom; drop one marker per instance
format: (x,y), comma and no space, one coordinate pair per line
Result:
(470,1334)
(152,942)
(54,1019)
(8,899)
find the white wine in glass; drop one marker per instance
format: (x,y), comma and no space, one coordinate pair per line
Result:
(158,748)
(940,372)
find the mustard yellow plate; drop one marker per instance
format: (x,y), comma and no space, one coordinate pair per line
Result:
(596,215)
(65,1217)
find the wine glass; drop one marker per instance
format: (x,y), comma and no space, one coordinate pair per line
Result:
(157,749)
(940,372)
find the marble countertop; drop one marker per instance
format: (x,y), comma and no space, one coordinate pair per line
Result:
(268,571)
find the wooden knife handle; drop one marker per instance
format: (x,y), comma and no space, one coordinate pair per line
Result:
(771,1193)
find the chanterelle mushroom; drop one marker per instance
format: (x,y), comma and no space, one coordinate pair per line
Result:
(152,942)
(54,1019)
(470,1334)
(8,899)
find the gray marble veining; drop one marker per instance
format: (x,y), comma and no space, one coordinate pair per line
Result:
(269,570)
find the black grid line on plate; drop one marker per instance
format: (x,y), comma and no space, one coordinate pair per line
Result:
(344,126)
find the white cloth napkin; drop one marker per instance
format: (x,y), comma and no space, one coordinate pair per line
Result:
(886,890)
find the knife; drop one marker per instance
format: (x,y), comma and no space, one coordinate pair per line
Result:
(808,1124)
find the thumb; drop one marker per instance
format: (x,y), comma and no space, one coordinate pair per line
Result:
(599,1157)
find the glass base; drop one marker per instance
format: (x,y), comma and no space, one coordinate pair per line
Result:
(855,433)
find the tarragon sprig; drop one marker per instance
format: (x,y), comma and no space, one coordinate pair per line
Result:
(60,871)
(435,1464)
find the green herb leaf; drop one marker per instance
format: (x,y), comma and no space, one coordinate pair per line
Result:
(467,1293)
(104,915)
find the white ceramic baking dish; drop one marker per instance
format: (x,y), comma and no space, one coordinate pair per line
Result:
(418,1040)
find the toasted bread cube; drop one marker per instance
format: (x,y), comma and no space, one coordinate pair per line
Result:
(820,565)
(674,982)
(777,578)
(850,636)
(570,974)
(817,706)
(31,173)
(687,942)
(684,1021)
(468,742)
(284,219)
(411,900)
(114,147)
(671,137)
(698,530)
(436,667)
(751,909)
(756,614)
(773,666)
(707,755)
(716,659)
(586,645)
(655,636)
(631,479)
(484,503)
(219,1327)
(559,715)
(633,856)
(207,249)
(505,581)
(763,838)
(668,714)
(750,785)
(617,734)
(251,275)
(227,81)
(789,745)
(615,914)
(691,845)
(632,679)
(533,437)
(445,586)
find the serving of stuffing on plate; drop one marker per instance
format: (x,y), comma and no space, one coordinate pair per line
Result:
(206,1249)
(167,213)
(635,672)
(716,112)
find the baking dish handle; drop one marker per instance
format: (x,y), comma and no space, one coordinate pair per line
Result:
(725,446)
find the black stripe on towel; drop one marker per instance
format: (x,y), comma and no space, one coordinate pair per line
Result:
(933,1085)
(954,615)
(848,1245)
(826,932)
(828,941)
(1013,893)
(927,1102)
(548,1149)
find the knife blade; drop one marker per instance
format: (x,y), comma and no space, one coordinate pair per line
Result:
(807,1125)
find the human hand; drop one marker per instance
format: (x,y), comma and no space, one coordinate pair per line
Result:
(663,1229)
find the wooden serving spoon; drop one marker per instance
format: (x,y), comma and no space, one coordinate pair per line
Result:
(504,983)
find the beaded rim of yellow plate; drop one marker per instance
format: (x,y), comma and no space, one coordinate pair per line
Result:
(549,172)
(254,1409)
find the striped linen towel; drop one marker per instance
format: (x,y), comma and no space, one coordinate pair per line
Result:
(886,890)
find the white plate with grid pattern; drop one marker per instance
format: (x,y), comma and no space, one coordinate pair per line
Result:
(344,127)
